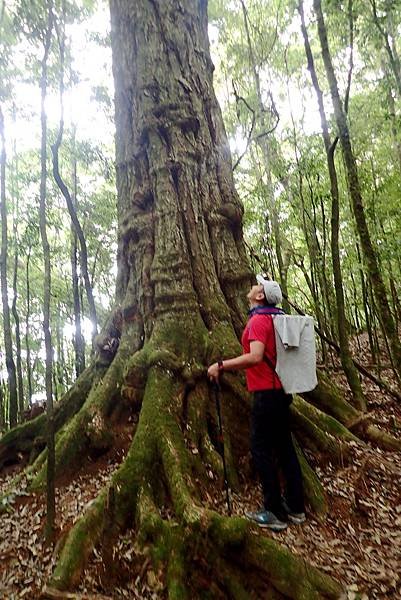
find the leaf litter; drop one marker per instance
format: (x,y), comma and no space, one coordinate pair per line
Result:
(358,543)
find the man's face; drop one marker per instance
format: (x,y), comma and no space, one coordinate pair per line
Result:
(256,295)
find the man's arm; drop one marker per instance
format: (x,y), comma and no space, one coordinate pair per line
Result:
(244,361)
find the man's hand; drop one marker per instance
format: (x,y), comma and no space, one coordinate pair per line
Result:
(213,372)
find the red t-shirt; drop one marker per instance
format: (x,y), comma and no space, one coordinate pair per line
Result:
(260,328)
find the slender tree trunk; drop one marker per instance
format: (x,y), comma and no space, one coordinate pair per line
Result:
(343,333)
(320,268)
(389,45)
(59,371)
(27,329)
(8,343)
(357,201)
(51,505)
(365,301)
(79,341)
(20,384)
(81,237)
(2,408)
(14,309)
(395,126)
(309,240)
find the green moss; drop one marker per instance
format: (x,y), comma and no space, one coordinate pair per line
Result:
(227,531)
(316,439)
(288,573)
(73,441)
(177,566)
(330,399)
(186,338)
(313,489)
(322,420)
(223,342)
(78,546)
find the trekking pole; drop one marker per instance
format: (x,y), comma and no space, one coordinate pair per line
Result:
(216,389)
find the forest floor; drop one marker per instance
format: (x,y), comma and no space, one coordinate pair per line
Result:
(359,542)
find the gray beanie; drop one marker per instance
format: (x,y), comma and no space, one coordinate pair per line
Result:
(271,289)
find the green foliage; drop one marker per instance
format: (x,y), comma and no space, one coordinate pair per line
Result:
(22,35)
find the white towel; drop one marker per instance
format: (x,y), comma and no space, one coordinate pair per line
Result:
(296,353)
(289,329)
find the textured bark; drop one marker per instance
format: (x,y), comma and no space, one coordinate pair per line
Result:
(368,250)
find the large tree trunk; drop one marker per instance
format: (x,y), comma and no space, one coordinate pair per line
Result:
(180,304)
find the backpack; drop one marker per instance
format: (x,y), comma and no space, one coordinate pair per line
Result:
(295,350)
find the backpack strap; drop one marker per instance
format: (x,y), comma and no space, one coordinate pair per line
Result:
(265,357)
(272,367)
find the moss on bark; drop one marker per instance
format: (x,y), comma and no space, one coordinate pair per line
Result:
(21,440)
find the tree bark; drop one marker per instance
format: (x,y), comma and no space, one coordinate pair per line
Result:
(27,328)
(354,188)
(79,341)
(14,310)
(8,343)
(20,384)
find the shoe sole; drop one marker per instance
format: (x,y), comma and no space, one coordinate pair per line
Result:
(296,520)
(275,528)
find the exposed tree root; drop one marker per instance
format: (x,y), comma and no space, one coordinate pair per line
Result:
(292,577)
(316,439)
(381,438)
(88,429)
(53,594)
(328,398)
(28,439)
(196,531)
(313,490)
(174,457)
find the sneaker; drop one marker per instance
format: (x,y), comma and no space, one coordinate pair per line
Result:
(265,518)
(294,517)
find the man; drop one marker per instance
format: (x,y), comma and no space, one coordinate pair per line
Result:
(271,443)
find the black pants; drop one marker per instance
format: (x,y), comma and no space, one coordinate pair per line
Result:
(273,451)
